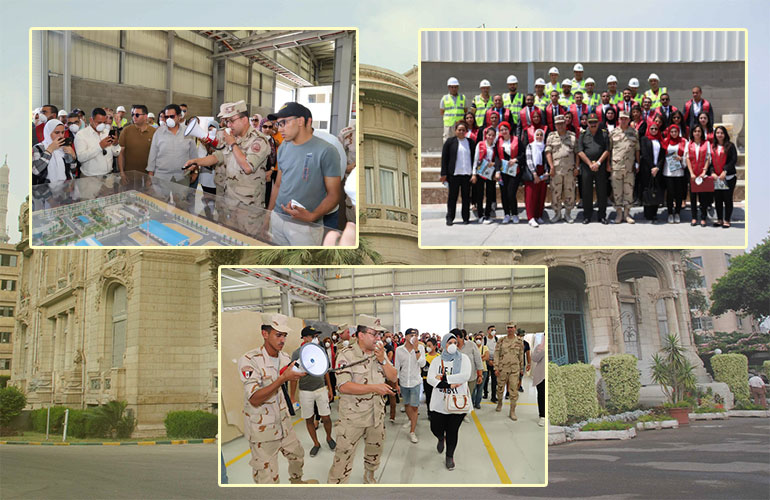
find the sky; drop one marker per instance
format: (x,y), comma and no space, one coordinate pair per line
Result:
(388,37)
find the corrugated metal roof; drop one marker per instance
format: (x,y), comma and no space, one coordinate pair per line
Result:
(583,46)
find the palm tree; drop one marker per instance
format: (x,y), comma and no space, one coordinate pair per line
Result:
(364,254)
(673,371)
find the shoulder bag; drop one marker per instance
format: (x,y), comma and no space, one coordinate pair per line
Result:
(455,403)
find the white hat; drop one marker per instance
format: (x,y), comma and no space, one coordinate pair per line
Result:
(553,70)
(653,76)
(62,112)
(120,108)
(150,115)
(484,83)
(611,79)
(577,67)
(590,80)
(539,81)
(566,82)
(512,79)
(452,81)
(634,83)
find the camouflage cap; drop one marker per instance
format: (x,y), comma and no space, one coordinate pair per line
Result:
(624,114)
(510,324)
(560,119)
(342,327)
(280,323)
(229,109)
(370,322)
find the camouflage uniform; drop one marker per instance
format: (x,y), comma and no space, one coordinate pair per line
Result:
(268,427)
(359,416)
(509,360)
(563,149)
(623,148)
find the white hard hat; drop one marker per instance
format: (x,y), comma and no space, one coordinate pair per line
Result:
(62,112)
(553,70)
(452,81)
(566,82)
(539,81)
(512,79)
(577,67)
(590,80)
(484,83)
(633,83)
(653,76)
(611,79)
(120,108)
(151,115)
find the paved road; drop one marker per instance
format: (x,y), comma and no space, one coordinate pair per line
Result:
(723,459)
(435,232)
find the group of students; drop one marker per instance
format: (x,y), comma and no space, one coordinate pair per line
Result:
(562,136)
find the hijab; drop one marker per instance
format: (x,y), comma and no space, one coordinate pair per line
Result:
(456,358)
(56,165)
(679,141)
(613,122)
(537,150)
(657,137)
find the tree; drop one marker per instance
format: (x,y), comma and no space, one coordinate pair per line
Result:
(745,288)
(693,281)
(12,401)
(673,371)
(364,254)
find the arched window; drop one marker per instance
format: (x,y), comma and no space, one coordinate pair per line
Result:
(117,317)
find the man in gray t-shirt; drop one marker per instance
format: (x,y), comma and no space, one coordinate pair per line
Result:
(308,184)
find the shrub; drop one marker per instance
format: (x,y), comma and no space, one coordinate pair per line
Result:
(12,401)
(732,369)
(654,417)
(190,424)
(672,370)
(557,404)
(125,427)
(622,379)
(745,405)
(579,382)
(708,409)
(77,424)
(40,416)
(607,426)
(106,419)
(766,368)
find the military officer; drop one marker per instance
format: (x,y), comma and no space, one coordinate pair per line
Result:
(244,162)
(624,159)
(561,155)
(509,360)
(362,370)
(344,336)
(267,424)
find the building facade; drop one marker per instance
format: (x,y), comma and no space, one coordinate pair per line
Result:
(98,325)
(9,285)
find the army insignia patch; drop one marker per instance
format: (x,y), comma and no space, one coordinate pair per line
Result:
(246,373)
(256,147)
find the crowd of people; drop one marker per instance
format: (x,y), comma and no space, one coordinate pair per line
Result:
(619,147)
(246,166)
(374,368)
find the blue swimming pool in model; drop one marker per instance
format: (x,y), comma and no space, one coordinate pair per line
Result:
(84,219)
(165,233)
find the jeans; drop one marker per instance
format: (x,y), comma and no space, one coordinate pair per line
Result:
(478,391)
(332,221)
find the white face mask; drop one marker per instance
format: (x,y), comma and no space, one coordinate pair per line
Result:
(334,338)
(212,134)
(315,340)
(100,128)
(493,332)
(429,348)
(327,344)
(451,348)
(478,342)
(345,343)
(170,123)
(229,131)
(182,114)
(74,128)
(414,341)
(389,341)
(42,118)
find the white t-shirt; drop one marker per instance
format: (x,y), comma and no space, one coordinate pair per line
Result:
(438,398)
(756,381)
(463,163)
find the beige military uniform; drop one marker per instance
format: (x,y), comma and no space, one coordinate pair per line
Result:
(563,149)
(509,360)
(268,427)
(623,148)
(360,415)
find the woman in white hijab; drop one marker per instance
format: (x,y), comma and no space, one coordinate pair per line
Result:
(535,183)
(54,159)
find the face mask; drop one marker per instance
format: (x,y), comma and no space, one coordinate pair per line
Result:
(451,348)
(229,131)
(315,340)
(212,134)
(345,343)
(74,128)
(414,340)
(42,118)
(389,341)
(327,344)
(478,342)
(100,128)
(182,114)
(429,348)
(494,332)
(170,123)
(334,338)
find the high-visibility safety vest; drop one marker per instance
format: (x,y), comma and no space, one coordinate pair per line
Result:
(481,108)
(578,85)
(550,87)
(454,109)
(565,100)
(593,100)
(614,99)
(655,97)
(514,105)
(638,99)
(542,102)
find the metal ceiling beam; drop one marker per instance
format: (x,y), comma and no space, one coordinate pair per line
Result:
(293,41)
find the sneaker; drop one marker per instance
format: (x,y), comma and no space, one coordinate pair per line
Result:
(487,220)
(450,463)
(332,444)
(480,220)
(413,437)
(440,446)
(540,220)
(515,219)
(314,450)
(541,422)
(676,219)
(556,217)
(392,420)
(403,409)
(521,389)
(533,223)
(670,219)
(507,219)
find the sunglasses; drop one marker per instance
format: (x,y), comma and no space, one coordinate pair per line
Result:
(137,115)
(267,126)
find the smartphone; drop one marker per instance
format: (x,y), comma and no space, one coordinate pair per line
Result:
(67,141)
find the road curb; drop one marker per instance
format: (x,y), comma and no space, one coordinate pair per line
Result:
(113,443)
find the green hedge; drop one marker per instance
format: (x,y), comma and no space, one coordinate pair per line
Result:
(766,368)
(40,416)
(190,424)
(579,382)
(12,401)
(732,369)
(81,423)
(622,379)
(557,403)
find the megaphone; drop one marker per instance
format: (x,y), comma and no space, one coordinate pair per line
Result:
(199,127)
(313,360)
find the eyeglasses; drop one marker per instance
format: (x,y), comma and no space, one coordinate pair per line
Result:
(170,116)
(255,119)
(137,115)
(282,123)
(267,126)
(232,120)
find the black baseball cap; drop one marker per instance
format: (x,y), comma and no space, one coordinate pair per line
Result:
(291,109)
(410,331)
(309,331)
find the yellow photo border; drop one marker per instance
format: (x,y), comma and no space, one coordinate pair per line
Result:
(190,28)
(582,247)
(323,485)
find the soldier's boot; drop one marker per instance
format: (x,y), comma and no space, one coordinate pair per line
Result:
(627,215)
(557,216)
(499,404)
(369,477)
(618,217)
(513,412)
(568,216)
(305,481)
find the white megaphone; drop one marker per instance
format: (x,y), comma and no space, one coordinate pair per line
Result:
(199,127)
(313,360)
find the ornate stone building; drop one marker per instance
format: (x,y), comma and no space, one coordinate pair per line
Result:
(132,325)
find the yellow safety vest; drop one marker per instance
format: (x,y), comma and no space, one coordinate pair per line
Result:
(656,98)
(454,109)
(593,100)
(550,87)
(616,98)
(515,105)
(481,108)
(578,85)
(566,101)
(542,102)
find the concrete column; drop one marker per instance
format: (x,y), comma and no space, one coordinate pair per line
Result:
(602,304)
(67,73)
(122,63)
(342,86)
(43,70)
(170,66)
(249,96)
